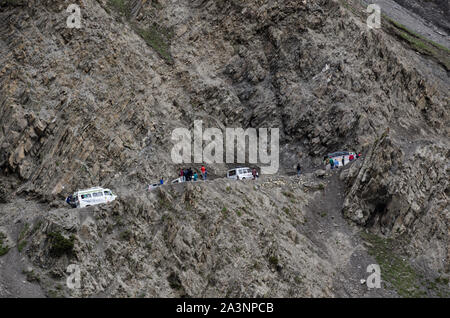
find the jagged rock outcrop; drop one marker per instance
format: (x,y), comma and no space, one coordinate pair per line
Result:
(103,100)
(404,193)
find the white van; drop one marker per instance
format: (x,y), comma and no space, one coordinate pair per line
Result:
(240,173)
(92,196)
(178,180)
(153,186)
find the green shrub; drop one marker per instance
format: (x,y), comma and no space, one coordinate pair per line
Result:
(288,194)
(395,271)
(174,281)
(442,280)
(120,6)
(32,277)
(13,2)
(3,249)
(126,235)
(273,260)
(158,39)
(23,232)
(59,245)
(36,227)
(21,245)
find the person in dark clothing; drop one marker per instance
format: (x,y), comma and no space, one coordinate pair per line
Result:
(299,169)
(331,163)
(161,181)
(254,173)
(71,201)
(182,175)
(343,161)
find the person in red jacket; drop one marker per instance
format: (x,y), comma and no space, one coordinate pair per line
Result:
(203,172)
(351,157)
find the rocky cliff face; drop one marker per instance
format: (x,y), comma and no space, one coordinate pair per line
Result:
(97,105)
(404,193)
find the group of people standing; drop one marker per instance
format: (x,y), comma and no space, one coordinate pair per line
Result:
(334,162)
(189,175)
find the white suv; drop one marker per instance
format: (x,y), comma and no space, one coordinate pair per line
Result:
(240,173)
(92,196)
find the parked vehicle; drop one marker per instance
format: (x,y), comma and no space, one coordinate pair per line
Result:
(178,180)
(92,196)
(153,186)
(240,173)
(340,154)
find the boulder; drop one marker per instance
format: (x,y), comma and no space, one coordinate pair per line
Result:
(320,173)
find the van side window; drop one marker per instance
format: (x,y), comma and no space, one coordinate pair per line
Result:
(97,194)
(232,173)
(86,196)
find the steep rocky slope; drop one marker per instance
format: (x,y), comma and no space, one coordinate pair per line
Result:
(435,11)
(97,105)
(269,238)
(427,18)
